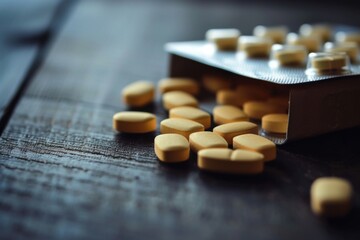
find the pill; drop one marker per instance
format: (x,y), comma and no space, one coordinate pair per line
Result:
(320,30)
(252,92)
(138,94)
(180,126)
(193,114)
(328,62)
(215,83)
(224,39)
(203,140)
(257,109)
(275,123)
(348,37)
(282,101)
(227,113)
(222,160)
(276,33)
(331,196)
(230,130)
(187,85)
(171,147)
(288,54)
(256,143)
(350,48)
(311,43)
(177,99)
(134,122)
(227,97)
(254,46)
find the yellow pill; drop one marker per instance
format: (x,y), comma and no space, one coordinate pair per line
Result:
(171,148)
(275,123)
(224,39)
(215,83)
(138,94)
(288,54)
(277,33)
(257,109)
(329,62)
(254,46)
(227,97)
(348,37)
(331,196)
(177,99)
(193,114)
(252,92)
(256,143)
(226,114)
(134,122)
(180,126)
(203,140)
(319,30)
(222,160)
(350,48)
(187,85)
(230,130)
(311,43)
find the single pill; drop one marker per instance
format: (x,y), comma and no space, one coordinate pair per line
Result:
(348,37)
(230,130)
(222,160)
(288,55)
(180,126)
(282,101)
(224,39)
(275,123)
(311,43)
(227,97)
(138,94)
(177,99)
(350,48)
(256,143)
(203,140)
(226,114)
(252,92)
(171,147)
(257,109)
(329,62)
(193,114)
(276,33)
(254,46)
(187,85)
(215,83)
(134,122)
(331,196)
(320,30)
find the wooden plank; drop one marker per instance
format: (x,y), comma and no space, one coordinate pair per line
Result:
(65,174)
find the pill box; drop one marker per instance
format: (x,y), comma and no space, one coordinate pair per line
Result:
(318,103)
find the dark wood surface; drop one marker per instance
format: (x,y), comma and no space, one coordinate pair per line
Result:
(65,174)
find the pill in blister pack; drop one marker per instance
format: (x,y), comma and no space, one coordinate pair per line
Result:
(311,43)
(327,63)
(288,55)
(350,48)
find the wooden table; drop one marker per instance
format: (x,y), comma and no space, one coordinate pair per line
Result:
(65,174)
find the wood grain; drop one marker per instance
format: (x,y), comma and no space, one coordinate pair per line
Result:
(65,174)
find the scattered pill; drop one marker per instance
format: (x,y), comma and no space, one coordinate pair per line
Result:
(216,83)
(256,143)
(177,99)
(171,147)
(226,114)
(222,160)
(180,126)
(187,85)
(134,122)
(277,34)
(224,39)
(320,30)
(282,101)
(193,114)
(348,37)
(252,92)
(254,46)
(230,130)
(202,140)
(138,94)
(331,196)
(257,109)
(350,48)
(322,62)
(275,123)
(288,54)
(228,97)
(311,43)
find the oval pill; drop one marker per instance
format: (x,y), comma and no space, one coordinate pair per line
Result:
(224,39)
(134,122)
(331,196)
(180,126)
(319,30)
(222,160)
(227,97)
(202,140)
(215,83)
(177,99)
(230,130)
(193,114)
(257,109)
(348,37)
(138,94)
(275,123)
(288,54)
(226,114)
(329,62)
(311,43)
(254,46)
(350,48)
(171,147)
(187,85)
(256,143)
(276,33)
